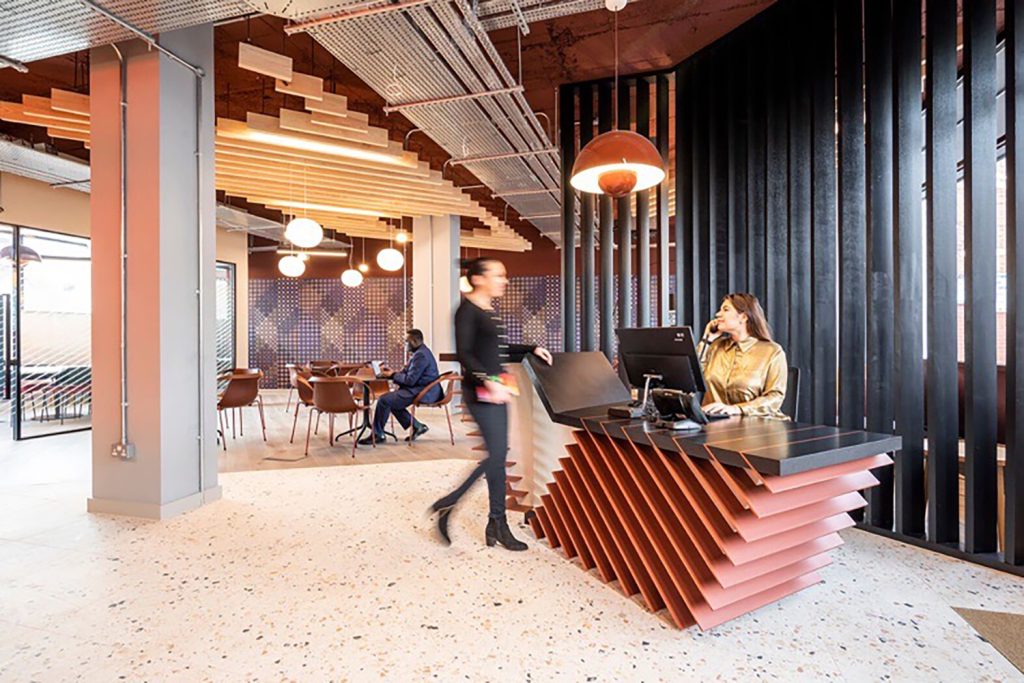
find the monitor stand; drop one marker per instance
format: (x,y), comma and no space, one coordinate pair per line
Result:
(634,410)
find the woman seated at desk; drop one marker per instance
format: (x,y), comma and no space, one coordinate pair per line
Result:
(744,370)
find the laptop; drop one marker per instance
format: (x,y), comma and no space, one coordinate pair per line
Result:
(376,366)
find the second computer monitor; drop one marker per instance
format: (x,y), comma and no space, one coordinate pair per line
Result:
(666,351)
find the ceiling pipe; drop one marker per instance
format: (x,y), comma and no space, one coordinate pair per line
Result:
(367,9)
(150,40)
(523,193)
(388,109)
(506,155)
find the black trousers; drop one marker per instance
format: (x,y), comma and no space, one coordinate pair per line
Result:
(492,419)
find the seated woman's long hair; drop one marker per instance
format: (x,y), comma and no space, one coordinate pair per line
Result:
(757,324)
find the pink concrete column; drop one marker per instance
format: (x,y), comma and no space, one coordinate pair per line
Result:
(167,250)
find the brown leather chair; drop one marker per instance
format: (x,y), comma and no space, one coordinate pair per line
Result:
(294,371)
(323,368)
(242,391)
(305,398)
(334,396)
(346,369)
(451,378)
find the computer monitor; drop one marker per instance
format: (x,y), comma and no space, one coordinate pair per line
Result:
(665,351)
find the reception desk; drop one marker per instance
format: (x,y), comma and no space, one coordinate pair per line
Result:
(707,525)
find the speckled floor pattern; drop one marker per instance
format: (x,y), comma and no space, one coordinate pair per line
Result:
(333,574)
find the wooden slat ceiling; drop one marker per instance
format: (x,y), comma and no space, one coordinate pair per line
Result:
(351,178)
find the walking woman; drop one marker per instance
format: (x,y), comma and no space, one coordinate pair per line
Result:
(482,347)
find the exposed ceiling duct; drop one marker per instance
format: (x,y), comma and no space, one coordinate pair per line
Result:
(36,29)
(19,158)
(438,51)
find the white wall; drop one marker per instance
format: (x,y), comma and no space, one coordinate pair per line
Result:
(35,204)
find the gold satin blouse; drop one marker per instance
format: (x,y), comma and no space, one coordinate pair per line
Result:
(751,374)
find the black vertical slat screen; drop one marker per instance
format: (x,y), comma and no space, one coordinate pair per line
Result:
(940,189)
(878,107)
(736,118)
(776,295)
(606,291)
(588,293)
(823,179)
(664,233)
(1014,472)
(624,220)
(908,328)
(567,140)
(702,254)
(979,55)
(755,106)
(643,213)
(799,248)
(718,182)
(684,199)
(852,213)
(798,176)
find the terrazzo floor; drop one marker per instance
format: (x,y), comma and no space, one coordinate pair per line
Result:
(333,574)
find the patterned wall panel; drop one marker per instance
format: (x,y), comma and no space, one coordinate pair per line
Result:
(295,321)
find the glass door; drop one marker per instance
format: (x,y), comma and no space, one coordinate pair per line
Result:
(225,339)
(7,302)
(53,339)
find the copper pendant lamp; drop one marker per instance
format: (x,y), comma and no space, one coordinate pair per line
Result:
(618,162)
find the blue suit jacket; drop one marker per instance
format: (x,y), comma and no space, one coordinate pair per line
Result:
(420,371)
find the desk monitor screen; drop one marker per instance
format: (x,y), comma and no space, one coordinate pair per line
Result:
(666,351)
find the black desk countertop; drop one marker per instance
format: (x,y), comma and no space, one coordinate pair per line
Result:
(578,389)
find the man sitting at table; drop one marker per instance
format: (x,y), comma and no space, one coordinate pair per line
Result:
(420,371)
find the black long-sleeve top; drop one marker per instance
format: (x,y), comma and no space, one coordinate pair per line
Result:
(482,345)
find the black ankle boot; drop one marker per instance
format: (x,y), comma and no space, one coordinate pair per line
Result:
(443,512)
(498,532)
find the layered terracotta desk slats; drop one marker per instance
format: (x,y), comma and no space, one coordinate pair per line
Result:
(691,534)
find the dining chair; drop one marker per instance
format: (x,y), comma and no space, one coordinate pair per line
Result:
(294,372)
(323,368)
(305,398)
(335,396)
(242,391)
(446,398)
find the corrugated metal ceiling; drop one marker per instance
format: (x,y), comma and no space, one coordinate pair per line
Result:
(36,29)
(438,50)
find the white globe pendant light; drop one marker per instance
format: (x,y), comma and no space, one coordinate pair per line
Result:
(363,268)
(304,233)
(351,278)
(291,266)
(390,259)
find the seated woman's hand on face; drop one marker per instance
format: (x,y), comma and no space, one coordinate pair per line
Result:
(721,409)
